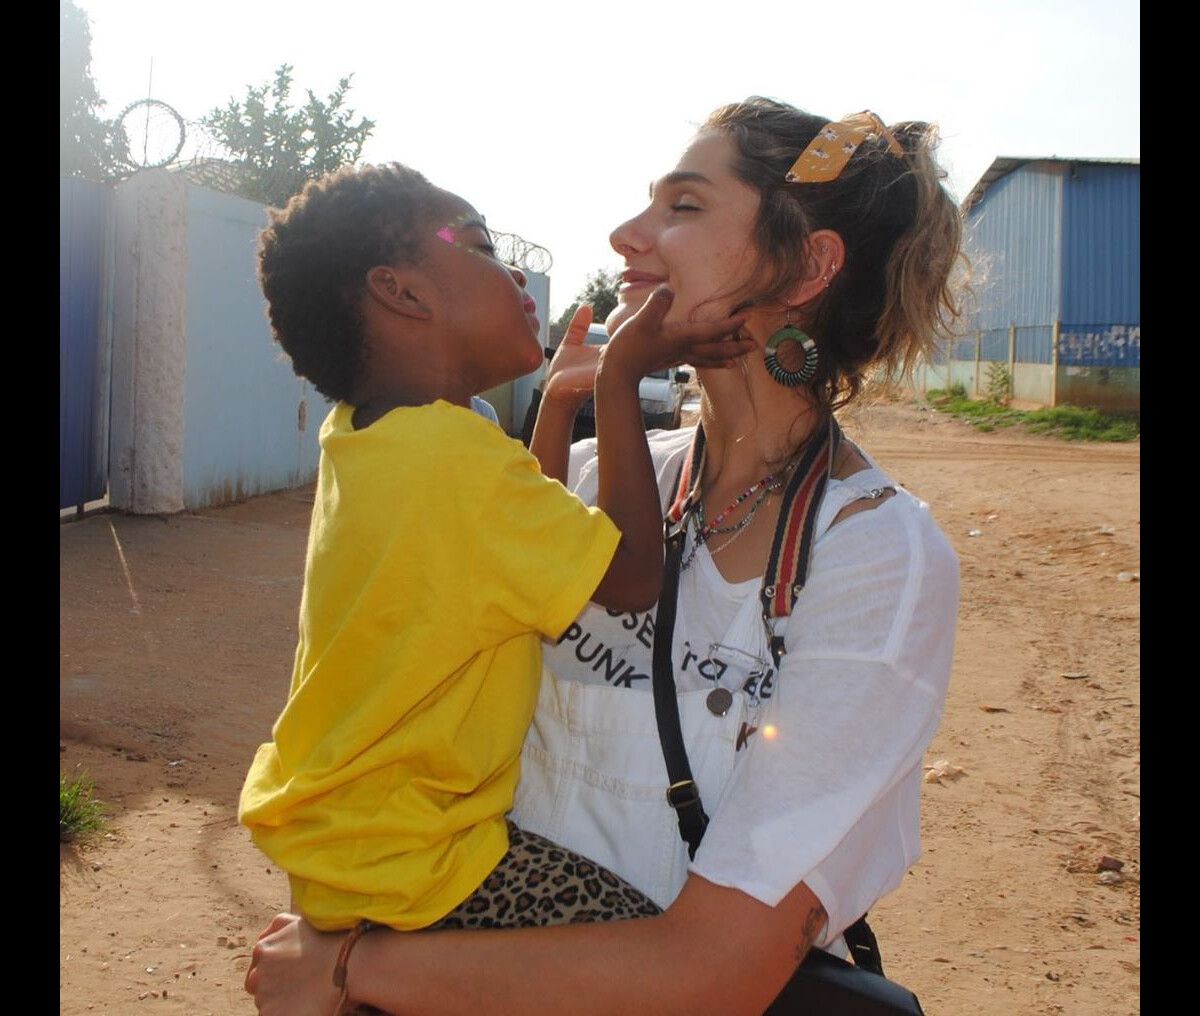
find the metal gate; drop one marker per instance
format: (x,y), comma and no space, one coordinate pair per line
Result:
(84,340)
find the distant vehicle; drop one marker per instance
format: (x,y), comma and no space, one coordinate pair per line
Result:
(660,392)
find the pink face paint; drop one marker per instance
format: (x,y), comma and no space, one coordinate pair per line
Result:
(449,232)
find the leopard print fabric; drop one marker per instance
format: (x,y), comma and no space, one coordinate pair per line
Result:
(536,883)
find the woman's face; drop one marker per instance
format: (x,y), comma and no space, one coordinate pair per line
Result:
(695,235)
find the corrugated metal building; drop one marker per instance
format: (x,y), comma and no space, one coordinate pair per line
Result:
(1055,246)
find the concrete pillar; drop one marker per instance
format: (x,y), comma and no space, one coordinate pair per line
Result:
(149,346)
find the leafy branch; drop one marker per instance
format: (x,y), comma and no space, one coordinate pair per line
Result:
(280,147)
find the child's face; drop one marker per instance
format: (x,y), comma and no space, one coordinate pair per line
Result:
(490,318)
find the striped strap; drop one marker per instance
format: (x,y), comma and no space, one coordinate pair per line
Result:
(791,551)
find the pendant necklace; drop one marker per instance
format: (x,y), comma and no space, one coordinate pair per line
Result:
(720,700)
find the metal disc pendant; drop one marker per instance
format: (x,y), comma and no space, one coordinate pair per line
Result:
(719,700)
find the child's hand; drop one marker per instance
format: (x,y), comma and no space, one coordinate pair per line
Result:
(644,344)
(571,375)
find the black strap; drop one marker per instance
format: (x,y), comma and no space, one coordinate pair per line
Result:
(682,793)
(864,948)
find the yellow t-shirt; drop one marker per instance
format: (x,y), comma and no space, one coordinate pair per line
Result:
(438,556)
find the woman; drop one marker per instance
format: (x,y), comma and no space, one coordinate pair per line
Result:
(816,600)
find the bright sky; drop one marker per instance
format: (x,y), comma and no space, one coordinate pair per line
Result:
(552,117)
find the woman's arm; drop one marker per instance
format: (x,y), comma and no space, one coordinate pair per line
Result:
(713,950)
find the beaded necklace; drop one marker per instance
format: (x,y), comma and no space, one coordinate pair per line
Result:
(769,484)
(735,530)
(711,527)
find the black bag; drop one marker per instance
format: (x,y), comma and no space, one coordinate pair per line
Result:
(823,984)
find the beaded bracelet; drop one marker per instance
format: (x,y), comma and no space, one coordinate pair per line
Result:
(343,959)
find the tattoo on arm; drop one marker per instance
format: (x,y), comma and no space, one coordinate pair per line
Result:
(813,924)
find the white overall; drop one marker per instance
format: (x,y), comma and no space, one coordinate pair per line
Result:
(593,765)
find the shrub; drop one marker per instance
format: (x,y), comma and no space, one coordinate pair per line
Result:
(999,384)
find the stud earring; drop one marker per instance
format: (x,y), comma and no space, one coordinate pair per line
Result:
(789,333)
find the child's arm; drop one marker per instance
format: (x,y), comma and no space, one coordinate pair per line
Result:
(628,486)
(569,383)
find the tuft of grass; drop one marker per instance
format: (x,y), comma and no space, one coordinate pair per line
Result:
(1076,423)
(80,814)
(1072,423)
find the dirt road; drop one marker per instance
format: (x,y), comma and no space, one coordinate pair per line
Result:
(176,642)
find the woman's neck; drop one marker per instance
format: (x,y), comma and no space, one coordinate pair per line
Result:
(751,424)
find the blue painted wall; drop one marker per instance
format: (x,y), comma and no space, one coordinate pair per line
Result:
(993,344)
(84,210)
(1034,344)
(1102,254)
(1102,267)
(1014,241)
(250,425)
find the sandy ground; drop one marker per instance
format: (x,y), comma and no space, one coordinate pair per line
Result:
(176,643)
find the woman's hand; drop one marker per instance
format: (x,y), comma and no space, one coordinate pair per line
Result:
(291,969)
(571,375)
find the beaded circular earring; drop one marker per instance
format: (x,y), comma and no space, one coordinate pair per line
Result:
(779,373)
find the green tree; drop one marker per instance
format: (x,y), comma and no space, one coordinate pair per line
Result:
(600,291)
(279,147)
(85,140)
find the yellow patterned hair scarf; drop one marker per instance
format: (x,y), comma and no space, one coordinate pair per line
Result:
(827,154)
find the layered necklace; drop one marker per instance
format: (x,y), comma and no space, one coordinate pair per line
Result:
(768,485)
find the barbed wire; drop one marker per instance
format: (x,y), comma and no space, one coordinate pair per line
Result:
(148,134)
(515,250)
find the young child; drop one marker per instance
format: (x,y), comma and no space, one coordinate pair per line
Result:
(438,557)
